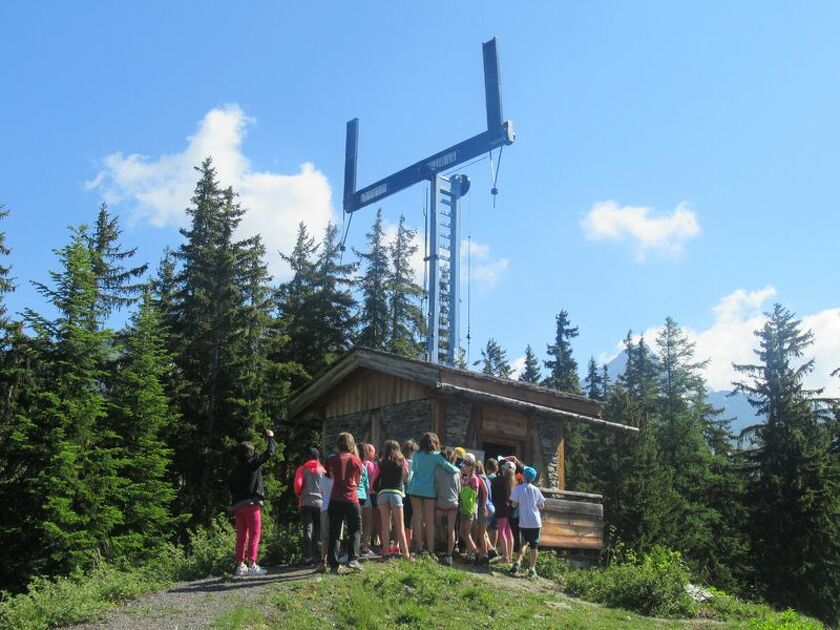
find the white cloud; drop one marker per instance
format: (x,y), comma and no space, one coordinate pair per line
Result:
(647,230)
(478,265)
(731,339)
(518,366)
(159,189)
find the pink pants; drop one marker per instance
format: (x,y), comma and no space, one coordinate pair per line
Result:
(503,527)
(248,524)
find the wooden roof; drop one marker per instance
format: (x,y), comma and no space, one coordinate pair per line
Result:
(451,381)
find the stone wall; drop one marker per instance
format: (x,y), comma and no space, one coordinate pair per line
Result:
(356,423)
(549,431)
(406,420)
(458,414)
(397,422)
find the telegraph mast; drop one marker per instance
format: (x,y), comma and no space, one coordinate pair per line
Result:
(442,333)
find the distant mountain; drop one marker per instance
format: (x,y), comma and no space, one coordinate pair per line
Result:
(735,406)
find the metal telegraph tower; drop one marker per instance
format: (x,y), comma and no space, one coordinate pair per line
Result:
(446,193)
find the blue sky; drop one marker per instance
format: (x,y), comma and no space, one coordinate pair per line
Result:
(670,159)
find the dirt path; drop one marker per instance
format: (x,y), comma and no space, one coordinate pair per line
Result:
(192,605)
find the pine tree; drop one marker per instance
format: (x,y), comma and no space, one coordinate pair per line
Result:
(114,280)
(18,525)
(6,284)
(406,326)
(605,380)
(703,479)
(531,371)
(297,304)
(335,304)
(217,318)
(793,490)
(593,384)
(140,413)
(494,360)
(562,367)
(375,320)
(644,494)
(637,490)
(72,463)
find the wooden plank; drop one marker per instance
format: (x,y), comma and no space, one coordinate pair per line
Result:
(561,506)
(570,542)
(572,495)
(571,521)
(582,532)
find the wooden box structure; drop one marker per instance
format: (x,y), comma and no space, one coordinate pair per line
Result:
(378,396)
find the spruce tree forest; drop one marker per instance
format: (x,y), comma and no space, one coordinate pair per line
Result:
(117,442)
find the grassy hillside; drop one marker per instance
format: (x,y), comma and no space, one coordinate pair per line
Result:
(427,595)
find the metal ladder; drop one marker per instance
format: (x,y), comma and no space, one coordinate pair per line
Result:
(442,332)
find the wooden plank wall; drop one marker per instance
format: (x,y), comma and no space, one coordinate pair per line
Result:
(368,390)
(572,525)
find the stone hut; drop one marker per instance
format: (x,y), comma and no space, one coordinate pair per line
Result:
(378,396)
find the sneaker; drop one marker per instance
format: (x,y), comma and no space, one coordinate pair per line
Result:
(514,568)
(256,569)
(355,565)
(334,570)
(492,555)
(532,572)
(321,568)
(482,560)
(241,570)
(447,560)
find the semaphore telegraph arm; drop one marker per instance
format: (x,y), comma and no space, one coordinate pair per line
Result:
(499,133)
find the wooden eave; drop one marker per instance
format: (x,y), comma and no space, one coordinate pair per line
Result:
(445,379)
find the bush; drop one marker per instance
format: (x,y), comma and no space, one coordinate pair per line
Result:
(283,542)
(551,567)
(210,551)
(74,599)
(654,585)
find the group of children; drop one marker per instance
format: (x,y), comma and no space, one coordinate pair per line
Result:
(416,497)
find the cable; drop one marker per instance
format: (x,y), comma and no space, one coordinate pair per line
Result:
(458,167)
(341,246)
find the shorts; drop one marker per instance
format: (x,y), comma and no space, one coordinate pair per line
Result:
(325,527)
(483,520)
(530,535)
(371,503)
(407,512)
(492,524)
(389,498)
(446,505)
(363,503)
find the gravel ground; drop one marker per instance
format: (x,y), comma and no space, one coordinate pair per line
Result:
(192,605)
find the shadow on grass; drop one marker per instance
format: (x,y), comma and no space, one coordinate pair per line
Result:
(222,585)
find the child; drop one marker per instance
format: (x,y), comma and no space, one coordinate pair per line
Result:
(409,447)
(367,497)
(485,511)
(308,488)
(502,486)
(469,503)
(447,488)
(390,492)
(492,468)
(421,487)
(247,495)
(345,469)
(530,501)
(326,491)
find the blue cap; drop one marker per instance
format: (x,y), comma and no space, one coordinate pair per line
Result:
(530,473)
